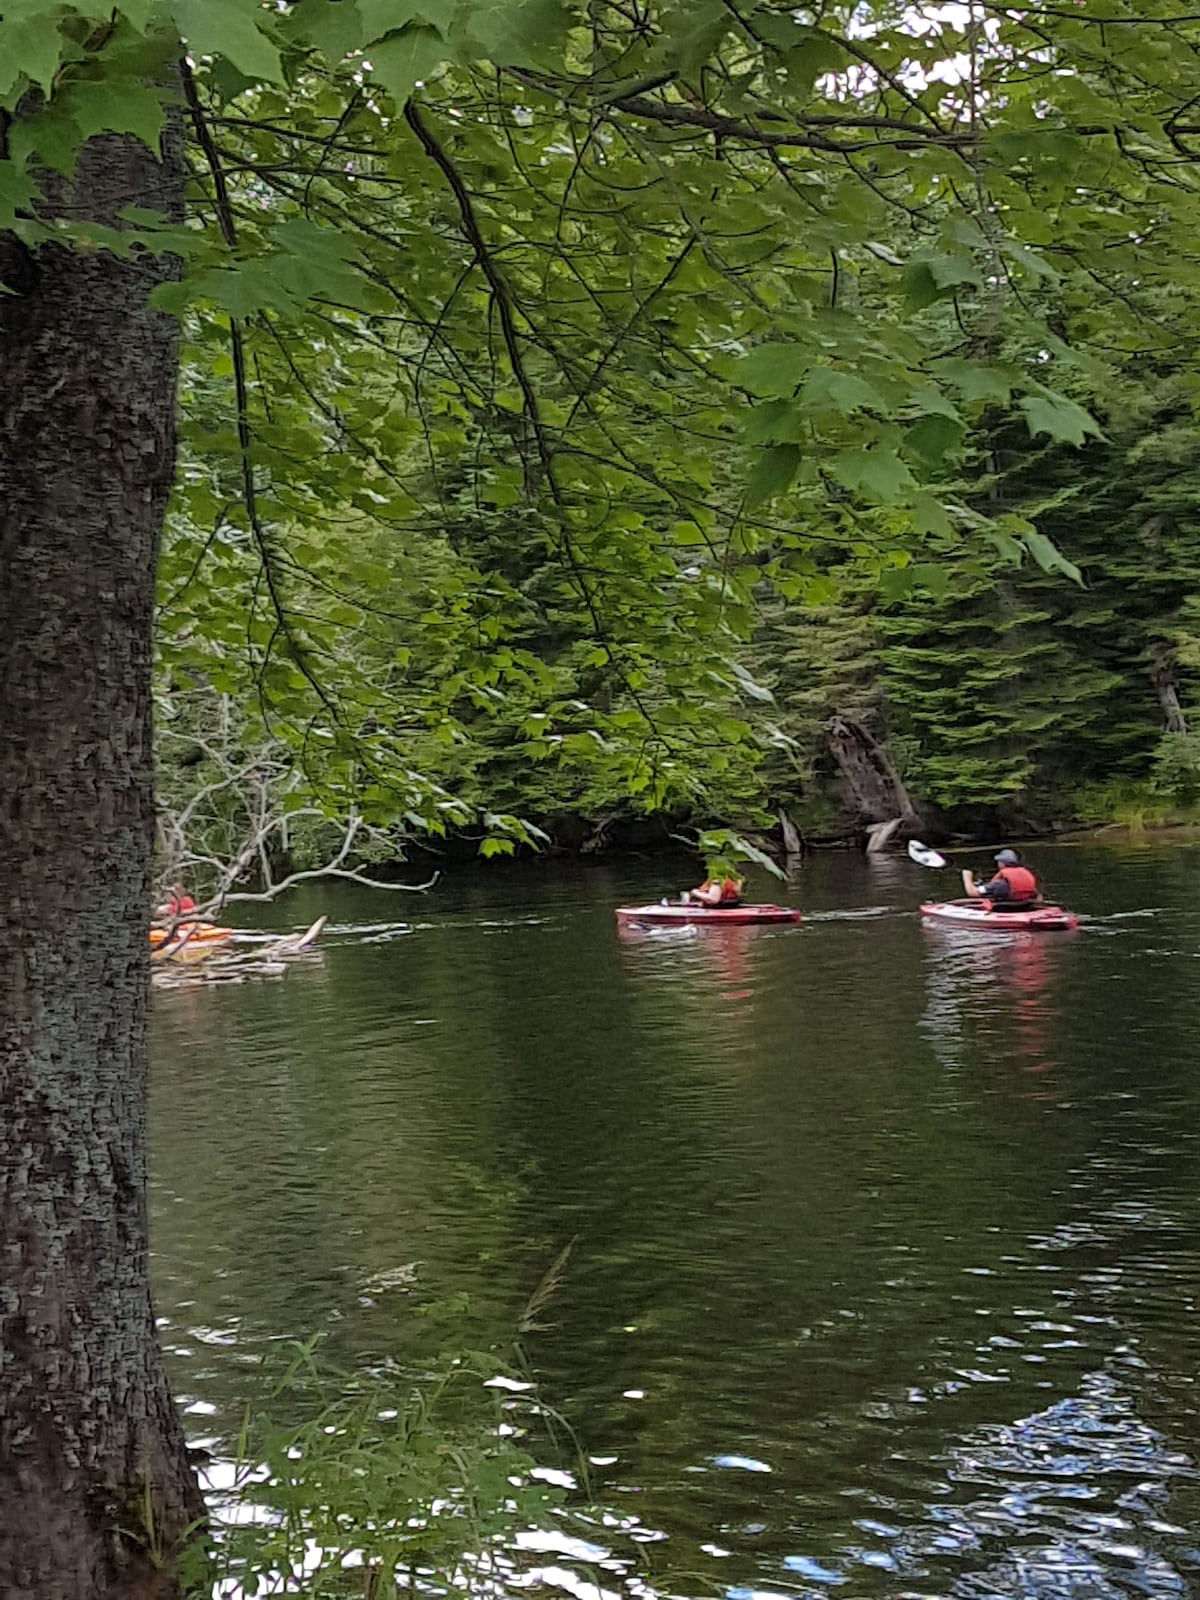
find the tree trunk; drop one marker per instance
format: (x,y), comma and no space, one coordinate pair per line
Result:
(875,786)
(96,1494)
(1165,676)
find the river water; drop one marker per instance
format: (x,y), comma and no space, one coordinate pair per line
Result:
(884,1257)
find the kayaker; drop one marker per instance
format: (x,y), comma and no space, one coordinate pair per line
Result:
(1013,885)
(178,903)
(726,892)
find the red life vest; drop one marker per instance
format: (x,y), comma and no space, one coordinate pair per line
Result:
(1021,882)
(730,890)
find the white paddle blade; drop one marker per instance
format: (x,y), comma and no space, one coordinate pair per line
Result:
(923,855)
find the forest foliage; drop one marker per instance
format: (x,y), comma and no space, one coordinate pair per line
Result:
(584,404)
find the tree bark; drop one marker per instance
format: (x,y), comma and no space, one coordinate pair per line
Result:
(96,1493)
(875,786)
(1165,676)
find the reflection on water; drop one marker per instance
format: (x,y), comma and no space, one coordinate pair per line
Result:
(885,1268)
(979,986)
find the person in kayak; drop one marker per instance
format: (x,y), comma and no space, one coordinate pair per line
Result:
(1013,885)
(178,904)
(723,893)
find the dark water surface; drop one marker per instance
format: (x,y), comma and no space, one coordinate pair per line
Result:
(886,1255)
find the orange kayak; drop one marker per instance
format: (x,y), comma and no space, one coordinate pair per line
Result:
(188,936)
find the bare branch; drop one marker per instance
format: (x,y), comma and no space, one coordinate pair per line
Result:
(350,875)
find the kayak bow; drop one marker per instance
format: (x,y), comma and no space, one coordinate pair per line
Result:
(188,936)
(677,911)
(970,914)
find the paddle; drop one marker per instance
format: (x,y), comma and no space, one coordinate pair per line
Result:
(923,855)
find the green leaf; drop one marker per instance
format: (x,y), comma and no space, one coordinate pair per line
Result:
(1095,369)
(102,105)
(805,53)
(950,269)
(49,138)
(1012,551)
(241,291)
(876,474)
(1048,556)
(173,298)
(699,26)
(517,34)
(815,54)
(933,437)
(381,17)
(773,472)
(930,517)
(497,847)
(1059,417)
(30,47)
(404,59)
(774,369)
(138,13)
(24,10)
(896,583)
(723,848)
(928,399)
(935,274)
(229,28)
(979,380)
(16,193)
(1036,266)
(934,577)
(965,231)
(315,262)
(920,286)
(333,26)
(300,236)
(828,389)
(750,687)
(776,422)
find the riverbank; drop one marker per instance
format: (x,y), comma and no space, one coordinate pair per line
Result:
(798,830)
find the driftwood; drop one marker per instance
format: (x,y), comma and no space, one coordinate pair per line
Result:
(880,835)
(793,844)
(876,787)
(185,966)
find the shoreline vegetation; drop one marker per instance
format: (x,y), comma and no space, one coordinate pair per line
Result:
(585,840)
(371,1484)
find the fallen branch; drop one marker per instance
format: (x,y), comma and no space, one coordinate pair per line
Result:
(236,824)
(352,875)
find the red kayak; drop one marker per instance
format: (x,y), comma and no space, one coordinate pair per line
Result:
(732,916)
(970,914)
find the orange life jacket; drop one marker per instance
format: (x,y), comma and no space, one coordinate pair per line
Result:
(1021,881)
(731,889)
